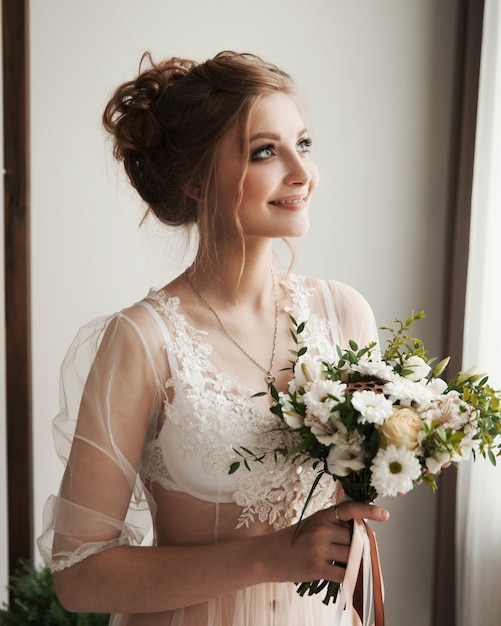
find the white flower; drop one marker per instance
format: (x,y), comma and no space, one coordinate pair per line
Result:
(318,402)
(376,369)
(293,420)
(340,436)
(470,374)
(394,470)
(373,407)
(437,386)
(418,366)
(320,389)
(291,417)
(408,392)
(342,461)
(435,463)
(306,371)
(318,425)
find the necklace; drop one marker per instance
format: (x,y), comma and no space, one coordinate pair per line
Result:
(269,378)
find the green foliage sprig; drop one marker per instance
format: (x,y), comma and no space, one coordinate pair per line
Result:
(33,601)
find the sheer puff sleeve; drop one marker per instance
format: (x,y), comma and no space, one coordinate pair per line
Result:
(112,394)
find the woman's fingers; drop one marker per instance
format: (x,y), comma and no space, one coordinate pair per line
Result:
(349,510)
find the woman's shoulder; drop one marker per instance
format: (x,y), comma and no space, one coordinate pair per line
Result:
(341,293)
(342,305)
(133,324)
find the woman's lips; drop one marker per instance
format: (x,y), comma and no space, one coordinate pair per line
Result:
(290,203)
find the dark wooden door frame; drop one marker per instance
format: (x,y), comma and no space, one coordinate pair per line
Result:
(15,42)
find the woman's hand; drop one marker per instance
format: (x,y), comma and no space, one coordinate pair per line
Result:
(318,547)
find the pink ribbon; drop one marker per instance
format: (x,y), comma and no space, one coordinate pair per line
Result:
(362,591)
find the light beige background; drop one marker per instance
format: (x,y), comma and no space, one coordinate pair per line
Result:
(378,79)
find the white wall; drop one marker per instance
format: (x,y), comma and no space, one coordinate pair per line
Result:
(378,80)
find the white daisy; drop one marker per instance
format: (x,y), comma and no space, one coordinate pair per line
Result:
(373,407)
(393,471)
(318,402)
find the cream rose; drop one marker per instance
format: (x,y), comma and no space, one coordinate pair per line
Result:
(402,428)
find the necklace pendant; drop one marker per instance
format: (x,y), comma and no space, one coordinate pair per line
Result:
(269,378)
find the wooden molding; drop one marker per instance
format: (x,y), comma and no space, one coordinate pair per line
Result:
(17,280)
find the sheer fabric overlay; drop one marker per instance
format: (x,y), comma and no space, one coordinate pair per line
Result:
(148,429)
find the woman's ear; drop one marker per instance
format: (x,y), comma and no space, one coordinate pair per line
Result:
(193,192)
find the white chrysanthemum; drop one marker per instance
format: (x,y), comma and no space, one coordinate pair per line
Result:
(342,461)
(373,407)
(320,389)
(377,369)
(318,402)
(394,470)
(407,392)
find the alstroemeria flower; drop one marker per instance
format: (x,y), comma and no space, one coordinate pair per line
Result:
(306,371)
(341,461)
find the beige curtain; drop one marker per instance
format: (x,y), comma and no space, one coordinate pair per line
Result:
(468,48)
(479,494)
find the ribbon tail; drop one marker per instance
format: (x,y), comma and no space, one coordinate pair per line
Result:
(364,598)
(346,594)
(377,578)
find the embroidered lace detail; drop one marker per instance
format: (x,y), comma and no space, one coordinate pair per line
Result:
(317,332)
(157,472)
(217,416)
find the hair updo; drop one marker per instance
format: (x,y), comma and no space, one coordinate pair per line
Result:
(167,124)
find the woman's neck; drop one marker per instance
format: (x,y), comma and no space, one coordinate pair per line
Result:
(232,283)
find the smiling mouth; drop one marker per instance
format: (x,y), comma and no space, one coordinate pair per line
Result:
(296,201)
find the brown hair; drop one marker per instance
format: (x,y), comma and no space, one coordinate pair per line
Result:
(168,122)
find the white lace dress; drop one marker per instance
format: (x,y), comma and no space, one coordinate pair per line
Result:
(175,489)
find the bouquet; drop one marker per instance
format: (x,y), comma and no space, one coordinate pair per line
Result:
(381,424)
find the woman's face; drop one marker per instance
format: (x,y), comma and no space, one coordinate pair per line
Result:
(281,176)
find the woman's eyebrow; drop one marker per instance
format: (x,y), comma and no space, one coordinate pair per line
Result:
(265,135)
(273,136)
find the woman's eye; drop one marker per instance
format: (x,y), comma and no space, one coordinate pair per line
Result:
(305,144)
(264,152)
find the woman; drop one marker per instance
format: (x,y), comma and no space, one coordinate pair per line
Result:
(160,397)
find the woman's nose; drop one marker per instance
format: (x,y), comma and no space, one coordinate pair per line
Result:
(299,171)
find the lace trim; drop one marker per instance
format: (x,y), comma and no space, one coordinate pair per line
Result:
(86,550)
(157,472)
(213,403)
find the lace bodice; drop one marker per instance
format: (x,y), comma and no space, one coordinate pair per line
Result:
(211,417)
(193,419)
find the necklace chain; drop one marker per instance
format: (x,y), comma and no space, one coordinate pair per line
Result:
(269,377)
